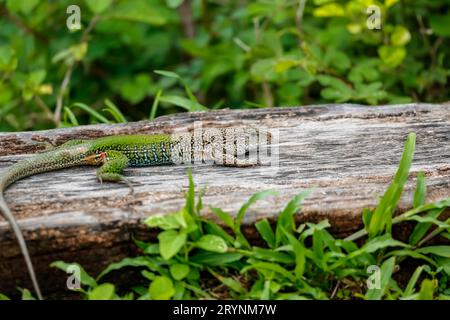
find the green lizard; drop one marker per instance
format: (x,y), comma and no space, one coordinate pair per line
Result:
(223,146)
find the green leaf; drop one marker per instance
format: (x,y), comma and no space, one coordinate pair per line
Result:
(90,111)
(382,216)
(98,6)
(8,59)
(284,64)
(25,6)
(167,221)
(376,244)
(412,254)
(190,195)
(423,208)
(442,251)
(263,69)
(240,216)
(36,77)
(299,251)
(155,105)
(318,248)
(79,51)
(390,3)
(312,227)
(135,89)
(329,10)
(27,295)
(366,217)
(72,118)
(254,198)
(409,290)
(179,271)
(161,288)
(3,297)
(336,89)
(426,290)
(265,230)
(213,228)
(443,263)
(184,103)
(286,217)
(386,270)
(271,267)
(392,56)
(174,75)
(215,259)
(212,243)
(231,283)
(224,216)
(337,59)
(138,11)
(115,111)
(174,3)
(128,262)
(400,36)
(430,220)
(84,277)
(439,24)
(170,242)
(421,190)
(272,255)
(105,291)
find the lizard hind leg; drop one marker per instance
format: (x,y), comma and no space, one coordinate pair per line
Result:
(112,168)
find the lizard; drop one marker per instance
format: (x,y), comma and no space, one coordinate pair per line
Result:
(222,146)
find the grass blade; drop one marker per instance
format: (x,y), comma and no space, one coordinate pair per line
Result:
(265,230)
(155,105)
(115,112)
(386,270)
(421,190)
(286,217)
(412,282)
(90,111)
(73,119)
(382,216)
(422,228)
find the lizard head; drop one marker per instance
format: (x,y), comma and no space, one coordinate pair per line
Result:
(96,159)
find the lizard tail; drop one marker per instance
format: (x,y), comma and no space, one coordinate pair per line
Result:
(44,162)
(23,246)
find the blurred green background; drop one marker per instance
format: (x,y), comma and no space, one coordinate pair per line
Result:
(137,59)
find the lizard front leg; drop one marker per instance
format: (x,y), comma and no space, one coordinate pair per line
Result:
(113,164)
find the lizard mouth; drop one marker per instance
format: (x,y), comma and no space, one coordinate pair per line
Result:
(96,159)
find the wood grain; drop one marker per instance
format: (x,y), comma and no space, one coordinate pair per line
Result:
(347,153)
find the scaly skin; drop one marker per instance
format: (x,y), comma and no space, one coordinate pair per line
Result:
(114,153)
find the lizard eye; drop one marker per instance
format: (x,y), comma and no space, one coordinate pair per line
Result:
(100,156)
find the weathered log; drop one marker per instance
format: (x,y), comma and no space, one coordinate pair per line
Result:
(347,153)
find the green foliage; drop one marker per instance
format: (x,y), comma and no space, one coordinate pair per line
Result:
(382,216)
(148,61)
(196,258)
